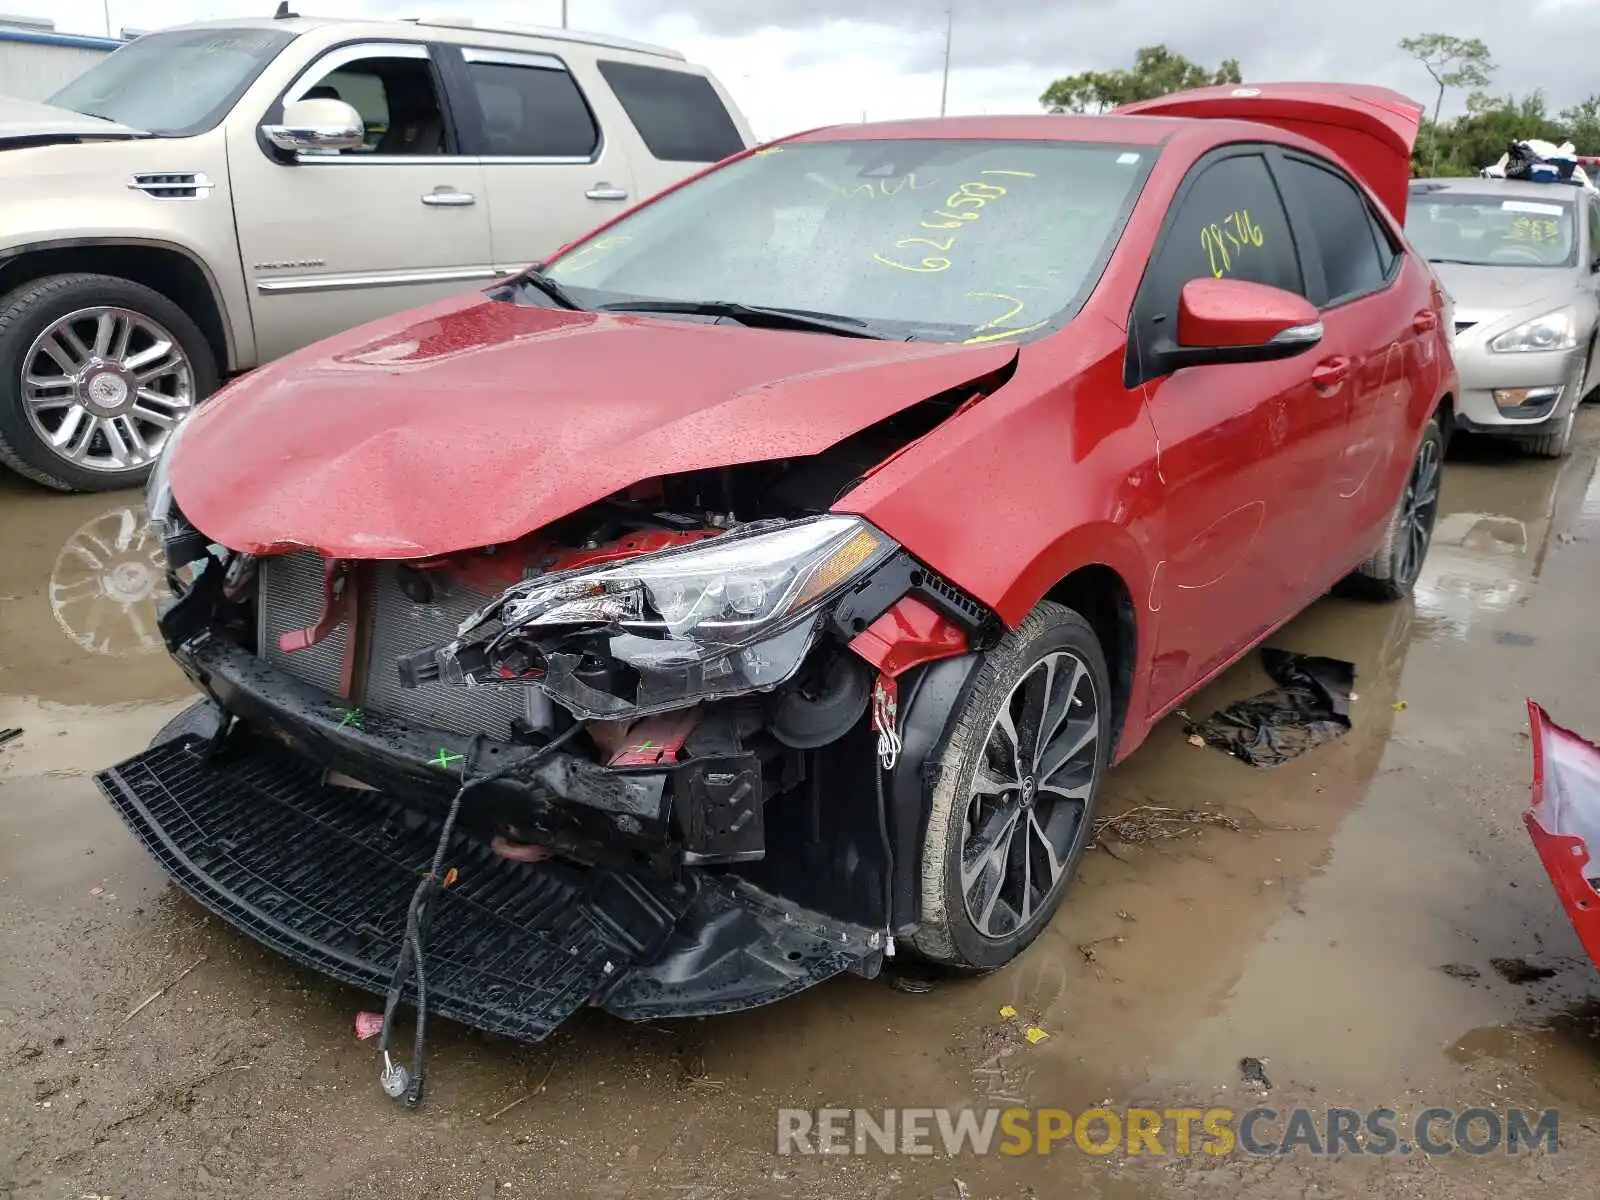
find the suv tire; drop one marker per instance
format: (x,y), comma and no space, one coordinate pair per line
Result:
(103,362)
(1554,445)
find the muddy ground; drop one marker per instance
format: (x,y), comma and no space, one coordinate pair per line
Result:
(1310,929)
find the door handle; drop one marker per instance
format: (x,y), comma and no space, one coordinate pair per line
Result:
(1331,372)
(1425,321)
(604,191)
(447,197)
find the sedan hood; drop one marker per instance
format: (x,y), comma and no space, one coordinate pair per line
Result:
(477,421)
(1487,293)
(31,123)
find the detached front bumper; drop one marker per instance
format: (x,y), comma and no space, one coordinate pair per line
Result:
(1536,390)
(324,875)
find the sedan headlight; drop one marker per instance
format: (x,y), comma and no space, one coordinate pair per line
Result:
(158,489)
(1553,331)
(735,613)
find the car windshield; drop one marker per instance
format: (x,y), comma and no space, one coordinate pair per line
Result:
(176,83)
(948,240)
(1492,231)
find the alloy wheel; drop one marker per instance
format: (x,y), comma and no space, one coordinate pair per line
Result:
(106,581)
(1419,507)
(105,387)
(1026,821)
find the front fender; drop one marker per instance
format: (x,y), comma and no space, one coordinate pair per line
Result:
(81,197)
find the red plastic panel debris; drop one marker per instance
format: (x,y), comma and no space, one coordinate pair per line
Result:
(656,739)
(907,636)
(1564,820)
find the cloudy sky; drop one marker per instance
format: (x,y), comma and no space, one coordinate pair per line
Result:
(793,64)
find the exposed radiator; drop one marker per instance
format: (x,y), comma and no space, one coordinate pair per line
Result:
(291,598)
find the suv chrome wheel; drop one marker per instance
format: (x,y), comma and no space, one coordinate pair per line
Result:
(105,387)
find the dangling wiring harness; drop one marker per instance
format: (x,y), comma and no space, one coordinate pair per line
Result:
(397,1081)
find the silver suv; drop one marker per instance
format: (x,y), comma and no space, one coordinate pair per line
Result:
(213,196)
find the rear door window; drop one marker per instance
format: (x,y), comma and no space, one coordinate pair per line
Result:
(1353,262)
(529,106)
(677,113)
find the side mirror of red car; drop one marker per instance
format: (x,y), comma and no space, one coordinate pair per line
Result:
(1234,321)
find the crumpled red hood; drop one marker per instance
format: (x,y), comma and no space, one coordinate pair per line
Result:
(475,422)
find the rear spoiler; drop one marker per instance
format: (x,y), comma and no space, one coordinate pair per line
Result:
(1372,130)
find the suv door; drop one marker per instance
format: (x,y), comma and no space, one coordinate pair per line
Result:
(1373,336)
(332,239)
(550,170)
(1242,448)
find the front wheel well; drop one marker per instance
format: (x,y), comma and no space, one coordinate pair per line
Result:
(1100,596)
(171,272)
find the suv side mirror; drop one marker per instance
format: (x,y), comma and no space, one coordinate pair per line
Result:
(1234,321)
(317,125)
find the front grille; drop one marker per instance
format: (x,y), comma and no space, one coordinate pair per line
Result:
(291,598)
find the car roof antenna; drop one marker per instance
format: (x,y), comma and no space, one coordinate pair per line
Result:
(283,13)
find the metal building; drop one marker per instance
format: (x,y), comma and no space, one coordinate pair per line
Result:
(35,60)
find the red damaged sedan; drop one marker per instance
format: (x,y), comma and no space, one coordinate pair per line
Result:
(764,586)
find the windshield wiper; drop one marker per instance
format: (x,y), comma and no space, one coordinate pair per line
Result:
(540,282)
(1463,262)
(757,315)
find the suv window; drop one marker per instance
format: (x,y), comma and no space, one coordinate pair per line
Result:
(395,92)
(175,84)
(529,105)
(1594,231)
(677,113)
(1230,223)
(1342,225)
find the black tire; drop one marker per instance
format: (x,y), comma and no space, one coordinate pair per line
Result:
(25,313)
(1391,573)
(1011,676)
(200,719)
(1553,445)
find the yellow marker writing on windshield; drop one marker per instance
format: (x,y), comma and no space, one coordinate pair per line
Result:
(907,243)
(1003,333)
(929,265)
(974,195)
(1016,307)
(587,256)
(978,334)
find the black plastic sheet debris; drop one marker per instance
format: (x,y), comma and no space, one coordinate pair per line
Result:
(1310,706)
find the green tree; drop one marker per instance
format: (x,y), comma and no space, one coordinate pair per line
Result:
(1491,123)
(1582,123)
(1452,62)
(1156,71)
